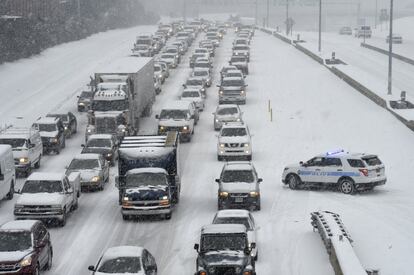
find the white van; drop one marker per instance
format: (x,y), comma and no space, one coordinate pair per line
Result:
(27,147)
(7,172)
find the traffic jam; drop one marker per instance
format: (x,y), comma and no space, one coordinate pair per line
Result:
(147,170)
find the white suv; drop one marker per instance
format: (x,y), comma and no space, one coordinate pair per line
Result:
(349,172)
(227,113)
(234,141)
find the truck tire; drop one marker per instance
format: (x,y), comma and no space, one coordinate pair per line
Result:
(62,222)
(347,186)
(49,263)
(10,195)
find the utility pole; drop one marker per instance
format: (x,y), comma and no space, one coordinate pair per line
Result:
(390,50)
(320,26)
(287,17)
(376,13)
(255,13)
(267,14)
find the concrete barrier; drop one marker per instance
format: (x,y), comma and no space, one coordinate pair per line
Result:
(397,56)
(309,53)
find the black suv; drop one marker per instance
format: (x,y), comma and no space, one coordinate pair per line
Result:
(52,132)
(224,249)
(69,122)
(25,248)
(85,100)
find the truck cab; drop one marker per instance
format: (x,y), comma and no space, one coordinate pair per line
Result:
(149,175)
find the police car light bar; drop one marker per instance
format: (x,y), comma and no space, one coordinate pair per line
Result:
(335,152)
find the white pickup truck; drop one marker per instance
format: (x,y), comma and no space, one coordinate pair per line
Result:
(48,196)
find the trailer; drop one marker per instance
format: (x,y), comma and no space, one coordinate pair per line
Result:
(127,86)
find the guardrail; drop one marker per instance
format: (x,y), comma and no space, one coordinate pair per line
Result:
(338,244)
(309,53)
(397,56)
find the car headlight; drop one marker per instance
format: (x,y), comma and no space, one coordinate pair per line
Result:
(224,194)
(217,120)
(185,128)
(238,120)
(202,272)
(125,199)
(89,130)
(221,92)
(162,128)
(24,160)
(96,179)
(254,194)
(222,145)
(242,92)
(160,76)
(54,140)
(81,104)
(66,127)
(27,261)
(165,201)
(247,272)
(246,145)
(109,155)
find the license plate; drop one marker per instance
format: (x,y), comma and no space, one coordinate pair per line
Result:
(238,200)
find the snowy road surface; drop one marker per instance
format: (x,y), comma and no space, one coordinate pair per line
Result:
(313,112)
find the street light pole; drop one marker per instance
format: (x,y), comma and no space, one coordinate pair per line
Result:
(255,12)
(376,13)
(320,26)
(287,17)
(390,50)
(267,14)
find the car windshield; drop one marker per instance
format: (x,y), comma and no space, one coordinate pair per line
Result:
(15,241)
(238,59)
(194,82)
(233,220)
(167,56)
(107,125)
(233,132)
(147,42)
(200,51)
(157,68)
(171,51)
(141,47)
(121,265)
(146,179)
(202,65)
(47,127)
(190,94)
(227,111)
(42,186)
(237,176)
(14,143)
(223,242)
(99,142)
(79,164)
(110,105)
(233,82)
(241,48)
(63,117)
(173,114)
(200,73)
(86,94)
(233,74)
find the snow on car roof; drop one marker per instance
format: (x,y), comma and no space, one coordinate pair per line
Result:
(17,132)
(233,213)
(47,120)
(100,136)
(110,95)
(340,153)
(108,114)
(38,176)
(223,229)
(122,251)
(4,148)
(147,170)
(176,105)
(238,165)
(125,64)
(25,225)
(225,106)
(234,124)
(87,156)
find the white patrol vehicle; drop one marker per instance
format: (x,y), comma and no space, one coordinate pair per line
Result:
(350,172)
(234,141)
(226,113)
(27,147)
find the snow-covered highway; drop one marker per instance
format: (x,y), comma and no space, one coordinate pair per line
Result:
(313,111)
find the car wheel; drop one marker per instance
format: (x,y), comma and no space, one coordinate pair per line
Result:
(49,260)
(37,165)
(258,206)
(37,271)
(347,186)
(75,205)
(28,172)
(10,195)
(167,216)
(62,222)
(256,258)
(293,181)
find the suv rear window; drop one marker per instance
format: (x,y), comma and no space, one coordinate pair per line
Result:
(357,163)
(372,161)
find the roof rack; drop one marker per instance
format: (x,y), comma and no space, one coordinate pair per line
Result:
(169,140)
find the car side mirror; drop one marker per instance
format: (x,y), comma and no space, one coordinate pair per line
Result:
(253,245)
(31,145)
(82,145)
(196,247)
(91,268)
(301,163)
(217,180)
(157,116)
(184,85)
(259,180)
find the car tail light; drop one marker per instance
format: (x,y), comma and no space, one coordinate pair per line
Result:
(364,172)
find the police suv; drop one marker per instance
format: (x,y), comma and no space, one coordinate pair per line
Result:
(349,172)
